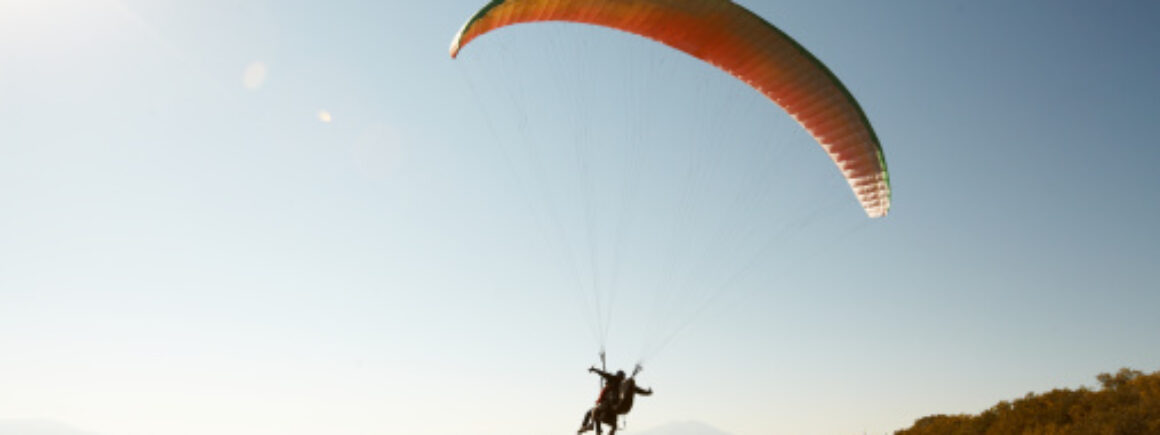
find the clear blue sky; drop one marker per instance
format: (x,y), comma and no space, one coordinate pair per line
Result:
(295,217)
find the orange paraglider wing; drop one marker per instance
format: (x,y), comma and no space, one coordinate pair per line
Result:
(743,44)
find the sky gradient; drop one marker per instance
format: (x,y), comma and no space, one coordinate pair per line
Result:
(299,217)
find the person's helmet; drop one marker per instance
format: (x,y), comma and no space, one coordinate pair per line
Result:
(620,375)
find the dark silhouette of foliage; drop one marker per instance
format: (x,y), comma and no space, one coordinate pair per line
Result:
(1128,403)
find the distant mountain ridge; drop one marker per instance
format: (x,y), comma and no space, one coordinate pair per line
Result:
(38,427)
(683,428)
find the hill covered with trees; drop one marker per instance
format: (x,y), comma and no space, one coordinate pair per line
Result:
(1127,403)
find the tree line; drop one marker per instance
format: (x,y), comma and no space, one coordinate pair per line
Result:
(1127,403)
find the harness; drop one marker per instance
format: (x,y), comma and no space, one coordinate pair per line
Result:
(621,391)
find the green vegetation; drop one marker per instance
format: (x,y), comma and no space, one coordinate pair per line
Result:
(1128,403)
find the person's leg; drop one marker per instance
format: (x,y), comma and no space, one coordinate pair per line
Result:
(584,424)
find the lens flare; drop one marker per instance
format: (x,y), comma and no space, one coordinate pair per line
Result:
(255,75)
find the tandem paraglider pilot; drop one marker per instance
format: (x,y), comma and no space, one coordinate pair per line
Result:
(615,399)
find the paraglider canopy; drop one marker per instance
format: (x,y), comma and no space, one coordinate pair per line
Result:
(743,44)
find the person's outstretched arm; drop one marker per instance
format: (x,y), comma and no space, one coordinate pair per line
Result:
(602,373)
(643,391)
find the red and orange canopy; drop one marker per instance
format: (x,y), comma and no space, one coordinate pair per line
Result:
(743,44)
